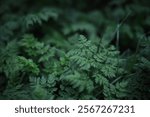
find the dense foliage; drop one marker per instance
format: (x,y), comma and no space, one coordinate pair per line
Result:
(74,49)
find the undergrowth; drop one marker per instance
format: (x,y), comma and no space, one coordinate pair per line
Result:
(74,49)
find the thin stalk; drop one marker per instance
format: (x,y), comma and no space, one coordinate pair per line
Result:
(117,46)
(99,45)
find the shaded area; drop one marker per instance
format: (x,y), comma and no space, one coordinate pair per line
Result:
(73,49)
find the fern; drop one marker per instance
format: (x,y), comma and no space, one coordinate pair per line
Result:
(42,58)
(100,66)
(81,82)
(43,15)
(28,65)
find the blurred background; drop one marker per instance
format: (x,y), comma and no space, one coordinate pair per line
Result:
(59,19)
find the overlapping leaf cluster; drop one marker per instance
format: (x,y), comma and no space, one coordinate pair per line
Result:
(54,49)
